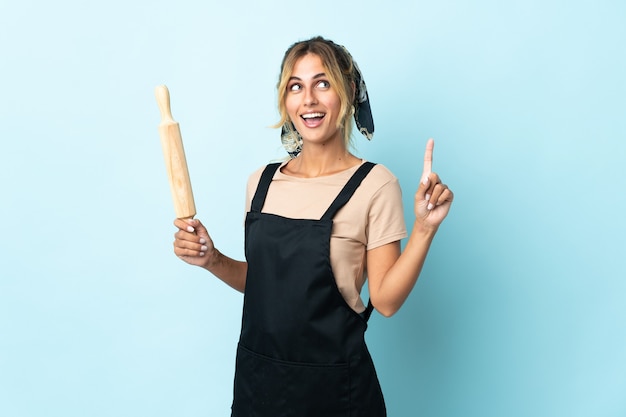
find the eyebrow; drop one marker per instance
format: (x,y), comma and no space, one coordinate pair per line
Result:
(315,77)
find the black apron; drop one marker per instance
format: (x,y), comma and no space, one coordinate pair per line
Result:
(302,351)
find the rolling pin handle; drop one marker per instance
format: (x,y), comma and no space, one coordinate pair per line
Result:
(163,101)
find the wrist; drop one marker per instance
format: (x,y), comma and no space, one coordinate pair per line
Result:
(422,229)
(212,259)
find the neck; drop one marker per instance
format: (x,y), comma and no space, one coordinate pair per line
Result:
(318,161)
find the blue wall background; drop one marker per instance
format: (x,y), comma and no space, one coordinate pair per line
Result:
(519,311)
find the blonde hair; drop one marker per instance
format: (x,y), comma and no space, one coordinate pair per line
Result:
(339,69)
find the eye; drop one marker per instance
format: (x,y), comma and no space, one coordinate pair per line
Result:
(294,87)
(324,85)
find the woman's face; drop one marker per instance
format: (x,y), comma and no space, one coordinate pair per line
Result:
(312,104)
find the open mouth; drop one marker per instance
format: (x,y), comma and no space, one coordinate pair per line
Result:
(312,119)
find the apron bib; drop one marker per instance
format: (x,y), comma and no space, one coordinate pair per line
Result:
(302,351)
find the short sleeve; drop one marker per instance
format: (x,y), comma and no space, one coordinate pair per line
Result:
(386,216)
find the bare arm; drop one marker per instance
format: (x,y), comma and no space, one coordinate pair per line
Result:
(193,245)
(392,275)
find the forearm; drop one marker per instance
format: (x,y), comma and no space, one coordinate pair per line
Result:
(392,275)
(398,282)
(229,270)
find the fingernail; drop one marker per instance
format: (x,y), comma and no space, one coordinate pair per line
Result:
(427,197)
(190,229)
(203,248)
(425,180)
(201,253)
(202,241)
(430,206)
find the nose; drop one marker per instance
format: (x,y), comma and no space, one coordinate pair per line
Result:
(309,97)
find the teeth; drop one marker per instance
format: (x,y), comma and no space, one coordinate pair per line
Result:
(312,115)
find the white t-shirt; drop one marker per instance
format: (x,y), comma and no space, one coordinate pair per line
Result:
(372,217)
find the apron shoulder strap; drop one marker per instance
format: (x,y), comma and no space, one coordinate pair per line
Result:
(348,190)
(264,184)
(368,311)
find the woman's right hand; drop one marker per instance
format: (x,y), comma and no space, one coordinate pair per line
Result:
(192,242)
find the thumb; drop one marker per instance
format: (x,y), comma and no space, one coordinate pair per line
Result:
(201,230)
(422,189)
(198,227)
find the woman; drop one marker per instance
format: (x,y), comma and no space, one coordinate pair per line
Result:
(317,224)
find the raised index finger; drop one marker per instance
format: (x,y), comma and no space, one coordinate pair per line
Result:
(428,158)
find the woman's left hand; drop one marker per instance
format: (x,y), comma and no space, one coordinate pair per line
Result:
(433,198)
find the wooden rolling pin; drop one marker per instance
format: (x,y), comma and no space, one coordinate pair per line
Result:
(175,161)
